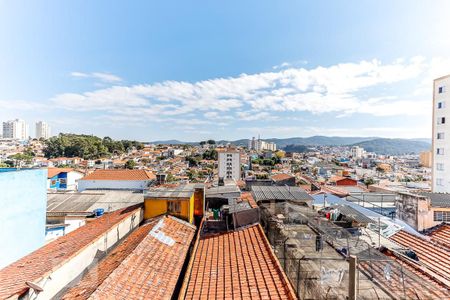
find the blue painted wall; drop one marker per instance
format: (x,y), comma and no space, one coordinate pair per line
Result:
(23,205)
(59,181)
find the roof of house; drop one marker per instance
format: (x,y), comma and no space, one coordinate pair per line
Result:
(432,255)
(52,172)
(87,201)
(281,176)
(418,284)
(438,199)
(122,174)
(44,260)
(247,196)
(172,191)
(238,265)
(147,265)
(442,235)
(261,193)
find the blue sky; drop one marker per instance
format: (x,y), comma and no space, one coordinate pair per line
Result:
(192,70)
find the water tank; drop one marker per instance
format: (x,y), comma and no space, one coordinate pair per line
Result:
(99,212)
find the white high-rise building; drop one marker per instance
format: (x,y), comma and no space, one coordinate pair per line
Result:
(42,130)
(357,152)
(441,135)
(229,164)
(15,129)
(260,145)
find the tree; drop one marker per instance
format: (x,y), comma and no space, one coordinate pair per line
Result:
(202,143)
(211,142)
(170,178)
(210,155)
(130,164)
(369,181)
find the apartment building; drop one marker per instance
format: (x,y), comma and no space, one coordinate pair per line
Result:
(42,130)
(260,145)
(441,135)
(229,163)
(15,129)
(357,152)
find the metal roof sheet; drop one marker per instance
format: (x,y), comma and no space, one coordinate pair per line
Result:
(261,193)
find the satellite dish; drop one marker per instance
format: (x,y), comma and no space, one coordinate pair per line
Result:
(34,286)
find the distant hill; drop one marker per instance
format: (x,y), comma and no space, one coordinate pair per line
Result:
(394,146)
(371,144)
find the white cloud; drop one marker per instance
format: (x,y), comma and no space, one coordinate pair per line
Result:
(366,87)
(104,77)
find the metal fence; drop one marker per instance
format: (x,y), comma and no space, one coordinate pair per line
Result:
(323,272)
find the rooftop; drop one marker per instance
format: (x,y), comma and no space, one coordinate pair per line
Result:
(442,235)
(87,201)
(281,176)
(55,171)
(122,174)
(238,265)
(261,193)
(438,199)
(147,265)
(44,260)
(176,191)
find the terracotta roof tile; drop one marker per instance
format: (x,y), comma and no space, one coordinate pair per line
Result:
(247,196)
(146,265)
(432,255)
(238,265)
(120,175)
(442,235)
(281,176)
(55,171)
(49,257)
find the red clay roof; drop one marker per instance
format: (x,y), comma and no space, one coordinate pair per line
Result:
(55,171)
(442,235)
(122,174)
(50,257)
(146,265)
(281,176)
(417,283)
(247,196)
(236,265)
(433,256)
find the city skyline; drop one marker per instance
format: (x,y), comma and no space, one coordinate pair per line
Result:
(193,72)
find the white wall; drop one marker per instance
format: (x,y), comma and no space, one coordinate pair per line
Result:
(235,162)
(441,175)
(53,283)
(113,184)
(72,179)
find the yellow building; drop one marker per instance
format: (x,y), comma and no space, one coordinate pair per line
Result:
(183,201)
(425,159)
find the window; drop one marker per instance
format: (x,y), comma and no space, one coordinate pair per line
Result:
(442,216)
(439,181)
(174,207)
(440,151)
(441,89)
(440,167)
(440,135)
(441,120)
(441,105)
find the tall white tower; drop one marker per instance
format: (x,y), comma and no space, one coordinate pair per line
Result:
(42,130)
(15,129)
(441,135)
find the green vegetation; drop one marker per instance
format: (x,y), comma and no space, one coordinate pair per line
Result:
(130,164)
(210,154)
(267,161)
(86,146)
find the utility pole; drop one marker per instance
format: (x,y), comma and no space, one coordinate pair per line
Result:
(352,267)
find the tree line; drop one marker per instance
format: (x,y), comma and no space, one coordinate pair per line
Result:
(86,146)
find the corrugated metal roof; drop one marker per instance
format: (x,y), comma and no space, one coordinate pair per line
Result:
(261,193)
(180,191)
(352,213)
(438,199)
(87,201)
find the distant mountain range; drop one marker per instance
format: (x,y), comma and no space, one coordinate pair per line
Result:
(372,144)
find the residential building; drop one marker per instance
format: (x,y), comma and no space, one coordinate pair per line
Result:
(260,145)
(425,159)
(121,179)
(63,178)
(183,201)
(15,129)
(357,152)
(43,130)
(229,163)
(441,135)
(23,200)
